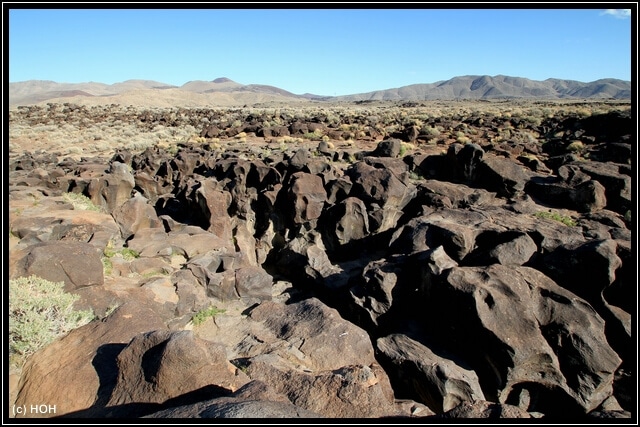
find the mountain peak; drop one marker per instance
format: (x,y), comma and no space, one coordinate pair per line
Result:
(227,91)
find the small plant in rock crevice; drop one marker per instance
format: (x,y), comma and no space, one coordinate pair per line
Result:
(201,316)
(566,220)
(80,202)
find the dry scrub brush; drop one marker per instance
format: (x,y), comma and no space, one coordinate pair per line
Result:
(39,312)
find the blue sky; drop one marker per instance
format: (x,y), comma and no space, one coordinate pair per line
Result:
(321,51)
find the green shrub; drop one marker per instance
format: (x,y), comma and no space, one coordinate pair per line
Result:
(110,309)
(463,139)
(566,220)
(80,202)
(129,254)
(316,135)
(201,316)
(126,253)
(107,266)
(39,312)
(431,130)
(575,147)
(416,175)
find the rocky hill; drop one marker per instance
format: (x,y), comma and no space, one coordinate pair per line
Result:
(492,278)
(500,87)
(225,92)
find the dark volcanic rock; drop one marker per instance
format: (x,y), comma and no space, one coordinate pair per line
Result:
(345,222)
(247,401)
(613,178)
(113,189)
(552,341)
(353,391)
(307,197)
(84,361)
(483,410)
(160,365)
(328,341)
(587,196)
(135,214)
(388,148)
(463,161)
(456,260)
(74,263)
(236,407)
(503,176)
(438,382)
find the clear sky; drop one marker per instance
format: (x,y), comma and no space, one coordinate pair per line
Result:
(321,51)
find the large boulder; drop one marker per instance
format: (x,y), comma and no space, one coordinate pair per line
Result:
(587,196)
(253,400)
(161,365)
(532,343)
(214,204)
(135,214)
(55,222)
(345,222)
(435,380)
(304,259)
(463,161)
(76,264)
(431,231)
(379,186)
(215,272)
(112,189)
(505,177)
(187,241)
(384,194)
(482,409)
(614,178)
(322,339)
(253,283)
(83,362)
(307,197)
(589,270)
(388,148)
(352,391)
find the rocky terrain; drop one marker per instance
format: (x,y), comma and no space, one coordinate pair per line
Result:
(399,261)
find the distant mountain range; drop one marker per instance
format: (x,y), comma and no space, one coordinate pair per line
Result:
(225,92)
(500,87)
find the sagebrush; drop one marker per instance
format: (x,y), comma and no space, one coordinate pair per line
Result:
(39,312)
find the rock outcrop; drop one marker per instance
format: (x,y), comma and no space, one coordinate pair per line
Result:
(469,283)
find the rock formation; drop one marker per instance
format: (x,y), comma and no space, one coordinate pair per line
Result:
(356,283)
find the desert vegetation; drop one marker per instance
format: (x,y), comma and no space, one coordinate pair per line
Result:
(564,219)
(39,312)
(207,313)
(78,130)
